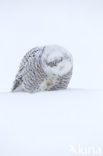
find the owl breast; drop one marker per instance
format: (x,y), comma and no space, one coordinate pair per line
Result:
(48,83)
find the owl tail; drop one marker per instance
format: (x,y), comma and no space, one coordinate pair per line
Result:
(17,86)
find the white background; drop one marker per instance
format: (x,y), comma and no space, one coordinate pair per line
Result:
(75,24)
(48,123)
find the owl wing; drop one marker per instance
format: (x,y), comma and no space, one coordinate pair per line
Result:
(18,79)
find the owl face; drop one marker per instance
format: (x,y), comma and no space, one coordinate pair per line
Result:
(56,60)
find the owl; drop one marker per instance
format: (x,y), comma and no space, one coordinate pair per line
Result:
(44,68)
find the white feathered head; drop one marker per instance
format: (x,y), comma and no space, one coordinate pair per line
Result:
(56,60)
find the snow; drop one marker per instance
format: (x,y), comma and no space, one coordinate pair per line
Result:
(50,123)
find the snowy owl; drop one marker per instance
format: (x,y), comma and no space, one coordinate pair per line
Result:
(44,68)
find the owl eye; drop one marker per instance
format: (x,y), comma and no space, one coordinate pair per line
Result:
(51,64)
(55,62)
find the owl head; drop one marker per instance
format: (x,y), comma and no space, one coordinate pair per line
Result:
(56,60)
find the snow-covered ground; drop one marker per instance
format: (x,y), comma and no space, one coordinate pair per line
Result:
(62,123)
(55,123)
